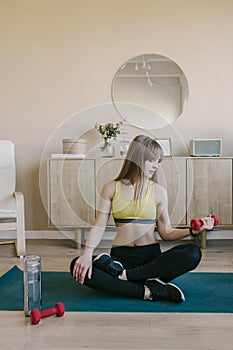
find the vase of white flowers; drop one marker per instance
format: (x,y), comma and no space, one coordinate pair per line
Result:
(107,149)
(109,132)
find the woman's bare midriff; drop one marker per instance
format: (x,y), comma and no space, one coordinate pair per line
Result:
(134,235)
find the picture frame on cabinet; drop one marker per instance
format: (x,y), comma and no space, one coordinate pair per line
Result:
(166,146)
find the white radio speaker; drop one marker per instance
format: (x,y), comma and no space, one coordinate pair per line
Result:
(205,147)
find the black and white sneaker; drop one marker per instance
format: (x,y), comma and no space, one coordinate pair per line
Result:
(105,263)
(164,291)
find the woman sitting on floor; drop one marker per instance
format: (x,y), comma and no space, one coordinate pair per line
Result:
(136,267)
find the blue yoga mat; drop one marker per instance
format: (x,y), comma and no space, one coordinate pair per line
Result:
(204,292)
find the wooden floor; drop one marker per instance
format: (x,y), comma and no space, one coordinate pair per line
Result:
(188,331)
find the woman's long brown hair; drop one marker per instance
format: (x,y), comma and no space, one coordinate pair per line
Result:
(141,148)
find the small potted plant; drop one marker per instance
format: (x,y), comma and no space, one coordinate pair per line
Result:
(108,131)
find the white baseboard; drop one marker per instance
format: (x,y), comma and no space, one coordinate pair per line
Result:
(47,234)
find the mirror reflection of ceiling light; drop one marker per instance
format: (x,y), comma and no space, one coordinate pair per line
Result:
(144,66)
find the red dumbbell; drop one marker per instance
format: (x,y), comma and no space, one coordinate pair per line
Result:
(196,224)
(36,315)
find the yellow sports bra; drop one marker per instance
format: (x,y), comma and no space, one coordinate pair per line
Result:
(139,211)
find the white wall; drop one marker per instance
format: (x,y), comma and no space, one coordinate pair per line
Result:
(59,57)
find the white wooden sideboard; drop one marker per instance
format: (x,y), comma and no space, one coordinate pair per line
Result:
(196,186)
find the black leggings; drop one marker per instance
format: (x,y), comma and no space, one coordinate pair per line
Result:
(141,263)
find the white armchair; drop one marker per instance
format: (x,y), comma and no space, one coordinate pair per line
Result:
(11,202)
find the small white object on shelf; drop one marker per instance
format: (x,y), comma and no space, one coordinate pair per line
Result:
(68,155)
(206,147)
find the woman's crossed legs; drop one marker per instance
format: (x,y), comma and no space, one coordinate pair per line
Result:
(144,269)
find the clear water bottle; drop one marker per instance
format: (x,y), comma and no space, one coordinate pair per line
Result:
(32,283)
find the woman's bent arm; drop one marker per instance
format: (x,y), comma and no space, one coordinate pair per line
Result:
(165,230)
(83,265)
(164,227)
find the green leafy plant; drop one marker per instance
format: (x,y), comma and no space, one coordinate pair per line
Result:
(109,130)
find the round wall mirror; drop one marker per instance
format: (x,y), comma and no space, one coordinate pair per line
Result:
(149,91)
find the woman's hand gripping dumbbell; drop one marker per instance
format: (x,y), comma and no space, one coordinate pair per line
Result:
(199,225)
